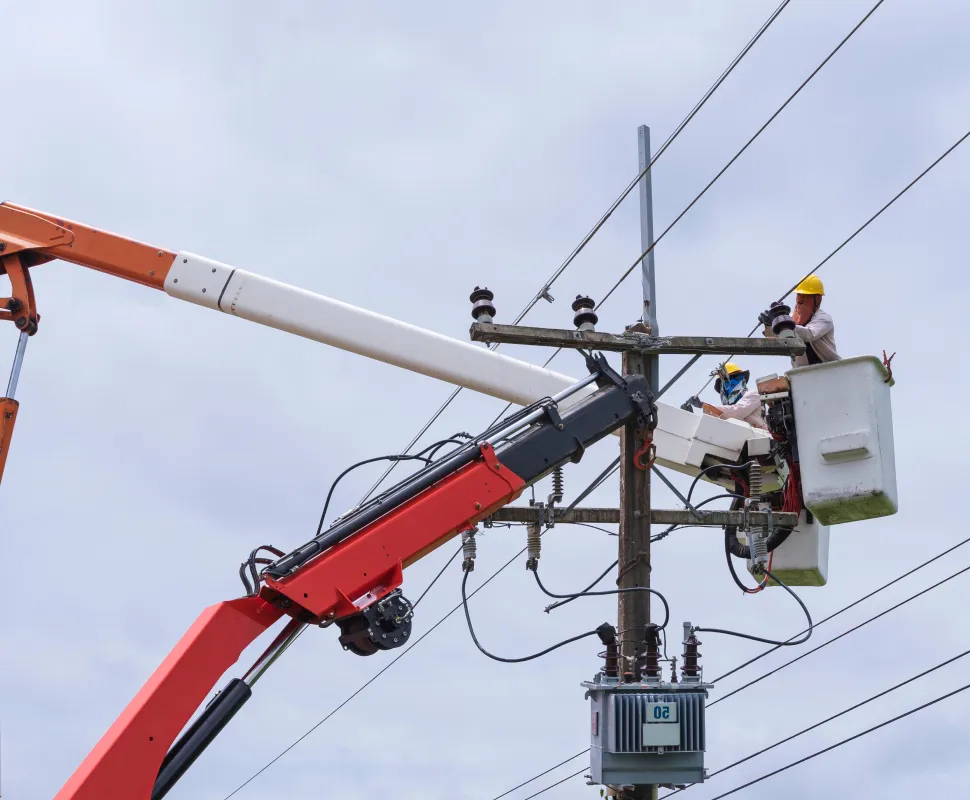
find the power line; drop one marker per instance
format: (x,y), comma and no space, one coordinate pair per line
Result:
(859,735)
(840,636)
(557,783)
(384,669)
(544,289)
(536,777)
(851,605)
(842,713)
(693,360)
(714,180)
(737,155)
(842,610)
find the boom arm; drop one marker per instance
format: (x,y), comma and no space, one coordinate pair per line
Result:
(348,575)
(29,238)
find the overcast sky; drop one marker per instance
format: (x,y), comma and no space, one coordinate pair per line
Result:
(394,157)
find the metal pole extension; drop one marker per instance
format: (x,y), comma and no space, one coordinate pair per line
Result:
(634,556)
(18,361)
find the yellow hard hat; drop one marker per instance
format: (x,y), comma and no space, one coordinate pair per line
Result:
(811,285)
(730,368)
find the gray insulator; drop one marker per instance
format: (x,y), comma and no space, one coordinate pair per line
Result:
(533,543)
(557,486)
(754,482)
(469,549)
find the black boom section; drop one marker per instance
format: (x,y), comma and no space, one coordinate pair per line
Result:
(546,446)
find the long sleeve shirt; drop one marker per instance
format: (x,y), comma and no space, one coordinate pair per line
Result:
(748,408)
(819,334)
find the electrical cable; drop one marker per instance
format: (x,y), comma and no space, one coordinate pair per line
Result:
(851,605)
(536,777)
(737,155)
(533,656)
(395,458)
(436,577)
(558,783)
(790,643)
(835,638)
(587,593)
(842,610)
(693,359)
(844,741)
(378,674)
(543,292)
(842,713)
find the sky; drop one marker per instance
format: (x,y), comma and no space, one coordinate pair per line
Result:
(395,156)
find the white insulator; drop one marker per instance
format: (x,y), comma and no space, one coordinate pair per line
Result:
(469,548)
(533,543)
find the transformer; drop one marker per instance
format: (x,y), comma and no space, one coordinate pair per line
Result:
(648,731)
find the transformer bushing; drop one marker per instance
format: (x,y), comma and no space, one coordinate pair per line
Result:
(648,731)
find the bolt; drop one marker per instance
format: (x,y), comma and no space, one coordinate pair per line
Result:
(395,640)
(185,261)
(478,506)
(176,280)
(159,252)
(3,247)
(151,272)
(383,635)
(404,633)
(203,291)
(637,514)
(213,269)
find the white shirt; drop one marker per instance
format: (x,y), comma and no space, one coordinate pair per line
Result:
(748,408)
(820,333)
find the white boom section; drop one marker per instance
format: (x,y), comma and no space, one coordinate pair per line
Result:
(682,439)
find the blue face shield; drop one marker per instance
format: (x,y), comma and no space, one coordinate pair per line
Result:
(732,389)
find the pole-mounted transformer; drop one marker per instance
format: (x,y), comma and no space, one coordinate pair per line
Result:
(645,730)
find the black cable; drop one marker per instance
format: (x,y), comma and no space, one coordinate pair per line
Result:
(842,713)
(544,290)
(384,669)
(733,572)
(835,638)
(830,617)
(693,360)
(587,593)
(351,468)
(844,741)
(594,527)
(851,605)
(729,467)
(559,783)
(536,777)
(436,577)
(805,638)
(569,600)
(471,630)
(676,527)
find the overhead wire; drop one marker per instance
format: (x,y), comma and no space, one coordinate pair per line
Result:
(544,289)
(845,741)
(693,359)
(831,718)
(373,678)
(832,616)
(850,606)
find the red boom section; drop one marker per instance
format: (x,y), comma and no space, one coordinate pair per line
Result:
(124,764)
(340,581)
(368,565)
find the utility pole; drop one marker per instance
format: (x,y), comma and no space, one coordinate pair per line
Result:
(633,608)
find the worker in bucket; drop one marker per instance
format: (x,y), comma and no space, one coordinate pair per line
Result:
(738,401)
(811,324)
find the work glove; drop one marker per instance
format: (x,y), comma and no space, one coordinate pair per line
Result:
(765,318)
(692,403)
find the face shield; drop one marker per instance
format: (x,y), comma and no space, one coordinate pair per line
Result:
(730,387)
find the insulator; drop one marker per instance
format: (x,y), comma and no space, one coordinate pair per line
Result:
(651,656)
(557,486)
(758,546)
(782,324)
(691,669)
(533,544)
(585,318)
(469,549)
(607,634)
(483,310)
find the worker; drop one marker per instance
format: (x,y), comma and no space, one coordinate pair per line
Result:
(737,400)
(812,325)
